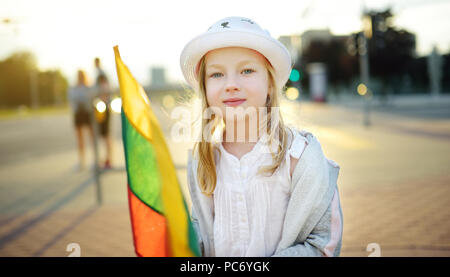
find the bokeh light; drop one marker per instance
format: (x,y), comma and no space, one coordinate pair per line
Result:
(116,105)
(295,75)
(362,89)
(168,101)
(100,106)
(292,93)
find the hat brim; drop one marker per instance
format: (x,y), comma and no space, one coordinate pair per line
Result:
(272,49)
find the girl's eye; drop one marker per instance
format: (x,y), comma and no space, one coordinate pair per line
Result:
(215,75)
(245,71)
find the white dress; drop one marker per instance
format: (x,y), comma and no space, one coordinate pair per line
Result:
(250,208)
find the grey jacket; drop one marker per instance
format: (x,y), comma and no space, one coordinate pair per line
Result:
(313,222)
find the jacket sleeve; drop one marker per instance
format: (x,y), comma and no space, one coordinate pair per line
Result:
(325,240)
(194,219)
(197,231)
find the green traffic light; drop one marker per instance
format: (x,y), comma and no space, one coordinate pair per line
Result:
(295,75)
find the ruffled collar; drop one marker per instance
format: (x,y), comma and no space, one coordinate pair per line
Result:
(261,147)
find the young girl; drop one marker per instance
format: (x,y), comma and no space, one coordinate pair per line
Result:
(267,190)
(80,97)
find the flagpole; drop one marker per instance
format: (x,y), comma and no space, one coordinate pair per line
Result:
(98,187)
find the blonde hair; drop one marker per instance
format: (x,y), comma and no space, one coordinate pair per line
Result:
(206,171)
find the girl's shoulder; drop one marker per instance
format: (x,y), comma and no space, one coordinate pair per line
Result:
(296,144)
(297,141)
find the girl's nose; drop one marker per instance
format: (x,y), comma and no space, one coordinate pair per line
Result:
(231,85)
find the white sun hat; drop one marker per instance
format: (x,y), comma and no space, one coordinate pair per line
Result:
(238,32)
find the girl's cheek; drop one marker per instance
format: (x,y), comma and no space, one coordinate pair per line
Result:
(211,97)
(212,92)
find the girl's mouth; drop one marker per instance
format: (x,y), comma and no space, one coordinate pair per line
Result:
(232,102)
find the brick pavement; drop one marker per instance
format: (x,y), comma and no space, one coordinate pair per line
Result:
(405,219)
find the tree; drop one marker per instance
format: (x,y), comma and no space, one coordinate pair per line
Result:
(15,79)
(391,50)
(15,82)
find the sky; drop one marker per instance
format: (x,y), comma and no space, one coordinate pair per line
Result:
(68,34)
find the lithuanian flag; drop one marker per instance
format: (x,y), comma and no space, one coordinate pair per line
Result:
(159,216)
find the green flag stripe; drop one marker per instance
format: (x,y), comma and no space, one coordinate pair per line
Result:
(144,182)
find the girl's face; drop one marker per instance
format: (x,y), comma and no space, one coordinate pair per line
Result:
(236,77)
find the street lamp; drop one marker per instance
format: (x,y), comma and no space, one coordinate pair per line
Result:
(363,51)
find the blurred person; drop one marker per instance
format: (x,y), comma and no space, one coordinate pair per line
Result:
(98,67)
(104,92)
(80,98)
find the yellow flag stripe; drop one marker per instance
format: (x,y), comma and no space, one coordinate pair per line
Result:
(135,102)
(174,209)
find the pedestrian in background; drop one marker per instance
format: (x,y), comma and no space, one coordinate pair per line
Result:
(80,98)
(99,68)
(104,93)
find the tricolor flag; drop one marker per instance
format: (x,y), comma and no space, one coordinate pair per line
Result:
(159,216)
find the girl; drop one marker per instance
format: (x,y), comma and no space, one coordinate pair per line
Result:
(268,190)
(104,94)
(80,98)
